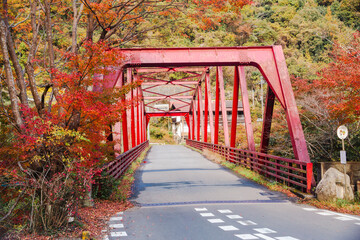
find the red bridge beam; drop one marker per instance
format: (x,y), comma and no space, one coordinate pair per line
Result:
(269,60)
(167,114)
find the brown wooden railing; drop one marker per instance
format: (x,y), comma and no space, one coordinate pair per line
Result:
(292,172)
(117,167)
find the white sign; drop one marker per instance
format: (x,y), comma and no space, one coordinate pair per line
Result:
(343,157)
(342,132)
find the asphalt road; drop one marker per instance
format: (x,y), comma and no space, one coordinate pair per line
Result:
(181,195)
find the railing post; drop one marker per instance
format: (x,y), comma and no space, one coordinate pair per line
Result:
(309,176)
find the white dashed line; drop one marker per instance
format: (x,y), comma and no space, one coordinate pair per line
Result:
(344,218)
(248,222)
(215,220)
(120,213)
(264,236)
(357,223)
(224,211)
(264,230)
(116,218)
(325,213)
(228,228)
(200,209)
(116,225)
(234,216)
(206,214)
(286,238)
(310,209)
(118,234)
(246,236)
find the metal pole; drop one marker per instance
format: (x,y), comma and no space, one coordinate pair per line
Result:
(343,148)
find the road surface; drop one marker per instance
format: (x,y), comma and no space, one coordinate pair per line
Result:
(180,195)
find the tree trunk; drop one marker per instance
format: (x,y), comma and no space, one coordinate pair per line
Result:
(77,15)
(32,51)
(18,70)
(90,27)
(9,76)
(48,30)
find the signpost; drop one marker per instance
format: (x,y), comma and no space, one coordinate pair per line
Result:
(342,133)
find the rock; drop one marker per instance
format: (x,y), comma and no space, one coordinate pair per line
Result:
(331,187)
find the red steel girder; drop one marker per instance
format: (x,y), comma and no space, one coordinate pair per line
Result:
(169,97)
(167,114)
(269,60)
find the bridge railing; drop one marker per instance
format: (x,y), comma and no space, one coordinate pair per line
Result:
(117,167)
(292,172)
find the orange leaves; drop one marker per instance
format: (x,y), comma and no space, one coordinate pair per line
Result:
(341,80)
(208,13)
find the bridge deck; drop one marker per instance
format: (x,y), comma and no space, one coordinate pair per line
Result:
(175,174)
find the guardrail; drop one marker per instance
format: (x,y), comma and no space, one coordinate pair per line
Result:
(117,167)
(293,172)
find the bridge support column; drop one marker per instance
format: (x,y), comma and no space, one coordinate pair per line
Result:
(132,111)
(200,113)
(246,106)
(138,117)
(223,106)
(217,108)
(208,108)
(187,119)
(194,119)
(234,108)
(268,113)
(124,120)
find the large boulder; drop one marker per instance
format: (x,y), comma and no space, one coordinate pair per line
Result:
(332,186)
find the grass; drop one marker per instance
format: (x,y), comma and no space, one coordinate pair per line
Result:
(123,191)
(247,173)
(342,206)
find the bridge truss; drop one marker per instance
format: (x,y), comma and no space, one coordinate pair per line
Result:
(194,104)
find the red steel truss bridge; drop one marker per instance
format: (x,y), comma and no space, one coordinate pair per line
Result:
(187,72)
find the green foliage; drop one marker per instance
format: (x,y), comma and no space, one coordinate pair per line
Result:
(104,186)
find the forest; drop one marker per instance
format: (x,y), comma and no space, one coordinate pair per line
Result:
(53,134)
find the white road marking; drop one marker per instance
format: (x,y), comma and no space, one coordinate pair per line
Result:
(200,209)
(325,213)
(106,237)
(310,209)
(331,213)
(224,211)
(248,222)
(286,238)
(264,236)
(344,218)
(228,228)
(116,218)
(118,234)
(246,236)
(264,230)
(215,220)
(120,213)
(206,214)
(234,216)
(116,225)
(357,223)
